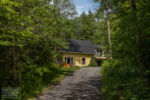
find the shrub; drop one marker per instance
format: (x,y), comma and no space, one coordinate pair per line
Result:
(122,82)
(93,62)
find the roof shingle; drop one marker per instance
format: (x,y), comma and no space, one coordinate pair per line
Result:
(80,46)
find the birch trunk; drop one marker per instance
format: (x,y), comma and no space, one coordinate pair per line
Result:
(109,35)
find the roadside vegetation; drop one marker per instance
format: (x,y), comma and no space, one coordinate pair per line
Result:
(35,86)
(32,32)
(31,35)
(49,80)
(126,73)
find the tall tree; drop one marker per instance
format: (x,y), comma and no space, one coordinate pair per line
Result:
(66,7)
(30,31)
(85,26)
(109,33)
(130,50)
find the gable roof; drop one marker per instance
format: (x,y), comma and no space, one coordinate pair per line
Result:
(79,46)
(98,46)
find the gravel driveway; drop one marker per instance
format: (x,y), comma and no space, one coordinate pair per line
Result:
(83,84)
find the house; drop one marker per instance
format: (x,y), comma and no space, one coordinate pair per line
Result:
(80,53)
(99,54)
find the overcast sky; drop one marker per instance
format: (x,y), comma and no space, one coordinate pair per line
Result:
(85,5)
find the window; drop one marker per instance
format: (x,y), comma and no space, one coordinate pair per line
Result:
(68,60)
(99,52)
(65,59)
(83,61)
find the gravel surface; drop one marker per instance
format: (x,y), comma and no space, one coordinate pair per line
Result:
(83,84)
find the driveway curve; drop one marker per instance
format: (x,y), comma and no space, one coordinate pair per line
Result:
(83,84)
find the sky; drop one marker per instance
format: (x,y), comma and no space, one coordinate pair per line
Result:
(85,5)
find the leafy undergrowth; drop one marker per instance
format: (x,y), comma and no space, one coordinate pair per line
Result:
(123,82)
(53,79)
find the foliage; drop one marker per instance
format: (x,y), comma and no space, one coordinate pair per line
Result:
(85,26)
(125,75)
(93,62)
(122,82)
(66,7)
(31,35)
(66,71)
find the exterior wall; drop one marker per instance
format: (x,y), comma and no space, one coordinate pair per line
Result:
(77,59)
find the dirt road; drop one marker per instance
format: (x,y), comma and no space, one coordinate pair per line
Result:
(83,84)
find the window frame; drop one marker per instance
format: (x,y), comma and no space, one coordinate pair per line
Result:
(69,60)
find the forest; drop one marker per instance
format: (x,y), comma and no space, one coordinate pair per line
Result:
(33,31)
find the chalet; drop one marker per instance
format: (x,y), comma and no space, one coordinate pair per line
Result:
(80,53)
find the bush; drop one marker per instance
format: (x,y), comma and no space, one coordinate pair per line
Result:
(35,78)
(122,82)
(93,62)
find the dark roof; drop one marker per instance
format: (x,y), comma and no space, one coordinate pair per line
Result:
(79,46)
(98,46)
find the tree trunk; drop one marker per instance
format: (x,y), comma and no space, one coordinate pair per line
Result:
(109,35)
(14,63)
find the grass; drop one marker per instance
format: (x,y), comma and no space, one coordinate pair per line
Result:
(62,73)
(66,71)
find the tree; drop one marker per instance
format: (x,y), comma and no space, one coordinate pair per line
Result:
(85,26)
(109,34)
(129,50)
(66,7)
(30,31)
